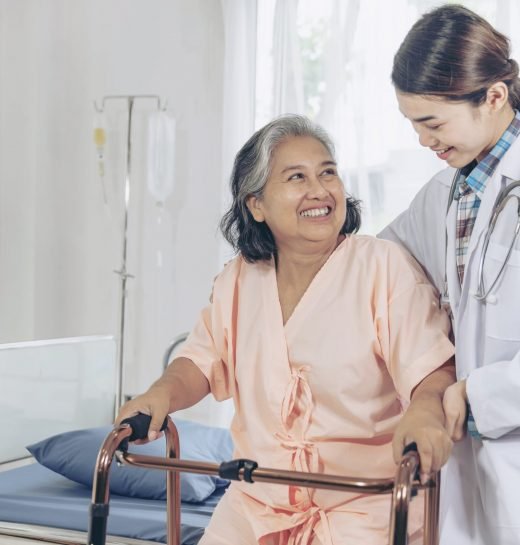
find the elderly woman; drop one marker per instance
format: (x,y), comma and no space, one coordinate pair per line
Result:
(322,338)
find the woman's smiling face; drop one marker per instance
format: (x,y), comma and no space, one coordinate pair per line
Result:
(304,199)
(457,132)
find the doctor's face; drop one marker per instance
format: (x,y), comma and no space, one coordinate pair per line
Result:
(303,201)
(457,132)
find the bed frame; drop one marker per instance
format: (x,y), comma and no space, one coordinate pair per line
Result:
(46,387)
(49,387)
(12,534)
(53,386)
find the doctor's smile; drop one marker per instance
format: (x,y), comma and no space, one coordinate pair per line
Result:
(443,153)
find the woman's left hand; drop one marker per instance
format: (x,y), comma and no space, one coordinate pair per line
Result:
(418,425)
(423,422)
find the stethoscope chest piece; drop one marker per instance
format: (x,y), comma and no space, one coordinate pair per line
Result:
(489,299)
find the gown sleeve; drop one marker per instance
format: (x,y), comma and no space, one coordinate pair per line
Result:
(413,331)
(210,344)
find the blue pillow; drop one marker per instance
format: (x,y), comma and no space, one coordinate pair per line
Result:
(73,454)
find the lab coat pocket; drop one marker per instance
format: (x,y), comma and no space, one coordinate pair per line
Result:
(503,303)
(499,475)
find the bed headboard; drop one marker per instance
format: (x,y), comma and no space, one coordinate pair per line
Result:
(52,386)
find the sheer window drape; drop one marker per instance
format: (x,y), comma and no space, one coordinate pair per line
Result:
(339,53)
(238,108)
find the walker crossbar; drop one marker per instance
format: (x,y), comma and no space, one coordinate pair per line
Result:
(402,487)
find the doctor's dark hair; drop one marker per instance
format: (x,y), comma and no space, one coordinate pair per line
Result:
(251,171)
(453,53)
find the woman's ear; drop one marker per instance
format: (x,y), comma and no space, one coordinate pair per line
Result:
(254,205)
(497,96)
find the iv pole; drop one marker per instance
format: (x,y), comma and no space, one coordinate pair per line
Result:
(124,275)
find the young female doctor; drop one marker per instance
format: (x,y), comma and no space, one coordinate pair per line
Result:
(458,86)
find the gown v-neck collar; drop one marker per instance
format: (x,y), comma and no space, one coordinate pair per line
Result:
(308,295)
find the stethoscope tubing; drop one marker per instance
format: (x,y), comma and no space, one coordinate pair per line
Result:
(501,200)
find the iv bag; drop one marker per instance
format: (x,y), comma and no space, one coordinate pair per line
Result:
(161,155)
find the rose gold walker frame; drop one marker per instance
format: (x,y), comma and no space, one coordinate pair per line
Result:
(402,487)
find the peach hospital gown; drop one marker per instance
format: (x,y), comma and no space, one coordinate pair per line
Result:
(322,393)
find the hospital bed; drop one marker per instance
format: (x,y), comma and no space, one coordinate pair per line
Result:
(56,389)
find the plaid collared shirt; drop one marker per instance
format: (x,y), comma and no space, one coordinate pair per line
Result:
(471,184)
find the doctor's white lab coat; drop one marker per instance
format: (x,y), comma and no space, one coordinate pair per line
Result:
(480,492)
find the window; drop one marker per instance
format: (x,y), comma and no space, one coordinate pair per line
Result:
(332,60)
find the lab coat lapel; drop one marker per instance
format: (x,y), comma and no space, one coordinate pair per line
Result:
(451,265)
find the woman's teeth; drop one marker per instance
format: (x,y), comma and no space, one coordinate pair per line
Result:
(315,212)
(443,151)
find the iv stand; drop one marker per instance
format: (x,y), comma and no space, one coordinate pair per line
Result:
(124,275)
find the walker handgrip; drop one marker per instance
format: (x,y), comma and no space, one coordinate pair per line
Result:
(410,447)
(140,424)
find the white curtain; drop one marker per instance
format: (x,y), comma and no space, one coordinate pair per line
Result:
(342,22)
(332,60)
(288,76)
(240,26)
(507,20)
(364,105)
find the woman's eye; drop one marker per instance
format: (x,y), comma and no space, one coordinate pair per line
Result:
(434,127)
(330,172)
(296,176)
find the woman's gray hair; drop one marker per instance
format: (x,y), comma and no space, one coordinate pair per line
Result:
(251,170)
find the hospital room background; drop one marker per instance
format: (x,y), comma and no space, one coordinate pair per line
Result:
(98,239)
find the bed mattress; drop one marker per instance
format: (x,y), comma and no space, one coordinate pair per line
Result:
(36,495)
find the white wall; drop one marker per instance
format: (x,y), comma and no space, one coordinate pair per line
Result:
(58,242)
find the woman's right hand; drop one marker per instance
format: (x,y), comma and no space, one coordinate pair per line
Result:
(155,403)
(181,385)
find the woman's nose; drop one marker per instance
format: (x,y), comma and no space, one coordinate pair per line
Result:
(426,139)
(316,187)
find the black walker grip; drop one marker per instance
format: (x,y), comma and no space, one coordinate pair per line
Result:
(140,424)
(412,447)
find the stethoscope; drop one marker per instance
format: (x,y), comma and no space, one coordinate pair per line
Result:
(503,197)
